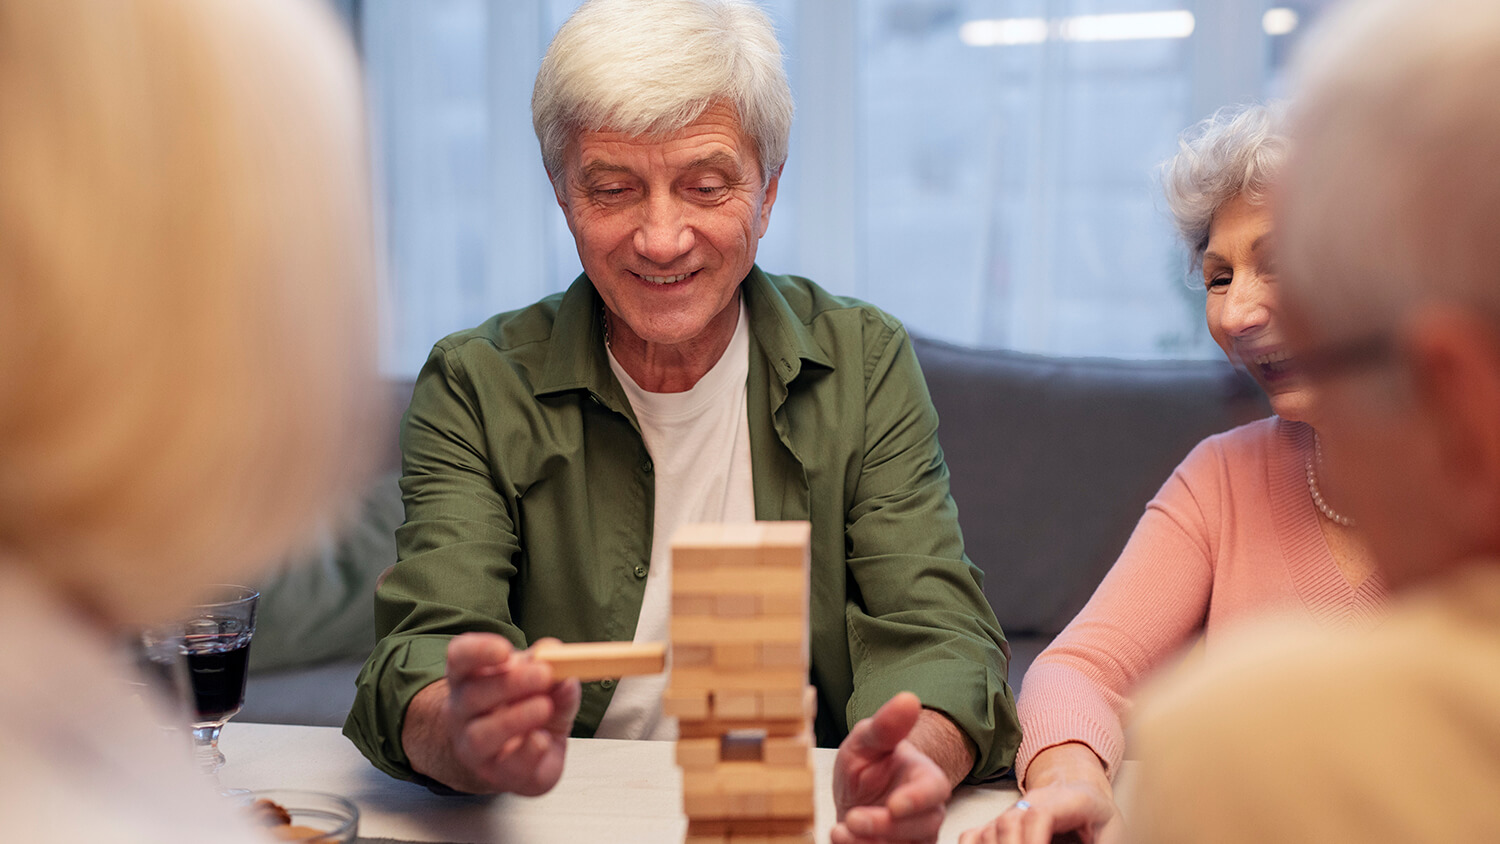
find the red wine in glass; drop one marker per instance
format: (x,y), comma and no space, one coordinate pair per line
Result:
(216,645)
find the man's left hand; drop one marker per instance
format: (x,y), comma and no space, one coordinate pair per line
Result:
(885,787)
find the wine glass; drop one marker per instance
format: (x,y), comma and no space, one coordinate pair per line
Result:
(216,644)
(161,676)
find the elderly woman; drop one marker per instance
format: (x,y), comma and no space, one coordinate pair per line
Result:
(1246,525)
(185,341)
(551,453)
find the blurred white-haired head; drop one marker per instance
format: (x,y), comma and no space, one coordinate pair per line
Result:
(1393,189)
(647,67)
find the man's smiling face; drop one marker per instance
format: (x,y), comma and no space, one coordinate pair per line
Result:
(667,226)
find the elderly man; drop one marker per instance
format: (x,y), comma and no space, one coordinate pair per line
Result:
(1391,259)
(550,453)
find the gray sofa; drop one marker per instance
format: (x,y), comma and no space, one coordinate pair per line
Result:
(1053,460)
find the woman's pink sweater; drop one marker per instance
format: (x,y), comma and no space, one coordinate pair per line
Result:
(1232,534)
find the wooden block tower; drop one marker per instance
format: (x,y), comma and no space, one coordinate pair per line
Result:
(739,681)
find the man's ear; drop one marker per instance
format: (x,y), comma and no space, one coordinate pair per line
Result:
(1455,359)
(765,206)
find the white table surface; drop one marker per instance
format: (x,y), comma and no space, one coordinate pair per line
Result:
(616,791)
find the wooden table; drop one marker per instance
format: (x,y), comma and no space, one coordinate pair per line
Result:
(615,791)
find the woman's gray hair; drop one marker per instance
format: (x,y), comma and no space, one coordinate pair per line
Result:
(654,66)
(1236,152)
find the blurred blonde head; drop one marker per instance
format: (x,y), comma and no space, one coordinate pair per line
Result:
(186,343)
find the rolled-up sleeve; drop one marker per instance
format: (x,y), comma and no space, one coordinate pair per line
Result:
(455,552)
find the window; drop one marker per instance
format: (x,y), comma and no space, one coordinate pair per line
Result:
(983,170)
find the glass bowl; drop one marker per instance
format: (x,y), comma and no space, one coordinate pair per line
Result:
(316,818)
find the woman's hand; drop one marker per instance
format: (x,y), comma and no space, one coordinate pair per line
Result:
(1069,792)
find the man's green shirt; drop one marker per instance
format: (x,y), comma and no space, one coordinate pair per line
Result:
(529,496)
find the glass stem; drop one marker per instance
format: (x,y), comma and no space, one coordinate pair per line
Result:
(206,745)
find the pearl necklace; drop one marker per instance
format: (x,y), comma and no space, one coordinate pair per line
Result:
(1314,460)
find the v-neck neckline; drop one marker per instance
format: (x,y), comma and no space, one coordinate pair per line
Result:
(1320,583)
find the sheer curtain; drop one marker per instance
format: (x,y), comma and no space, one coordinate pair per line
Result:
(983,170)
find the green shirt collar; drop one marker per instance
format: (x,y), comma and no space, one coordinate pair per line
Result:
(576,358)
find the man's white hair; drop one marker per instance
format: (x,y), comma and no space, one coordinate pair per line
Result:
(648,67)
(1236,152)
(1393,186)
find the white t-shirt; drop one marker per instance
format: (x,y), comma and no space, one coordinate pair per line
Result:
(699,441)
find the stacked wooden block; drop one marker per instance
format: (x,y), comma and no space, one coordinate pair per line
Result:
(739,681)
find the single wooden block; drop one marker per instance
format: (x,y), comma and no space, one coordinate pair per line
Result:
(737,656)
(742,777)
(791,804)
(750,804)
(713,727)
(704,804)
(788,780)
(735,703)
(737,829)
(695,546)
(784,604)
(598,660)
(698,754)
(783,655)
(784,751)
(686,705)
(740,543)
(708,827)
(718,580)
(737,606)
(785,543)
(750,831)
(692,656)
(697,629)
(782,703)
(791,680)
(700,545)
(689,604)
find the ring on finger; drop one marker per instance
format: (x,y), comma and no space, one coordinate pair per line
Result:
(1021,805)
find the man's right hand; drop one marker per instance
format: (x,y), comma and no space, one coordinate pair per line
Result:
(496,723)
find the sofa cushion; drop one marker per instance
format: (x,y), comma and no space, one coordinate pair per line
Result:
(1054,459)
(320,604)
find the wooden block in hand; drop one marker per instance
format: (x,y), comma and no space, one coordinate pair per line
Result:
(598,660)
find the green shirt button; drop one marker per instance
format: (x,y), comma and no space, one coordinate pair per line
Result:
(607,684)
(640,571)
(646,466)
